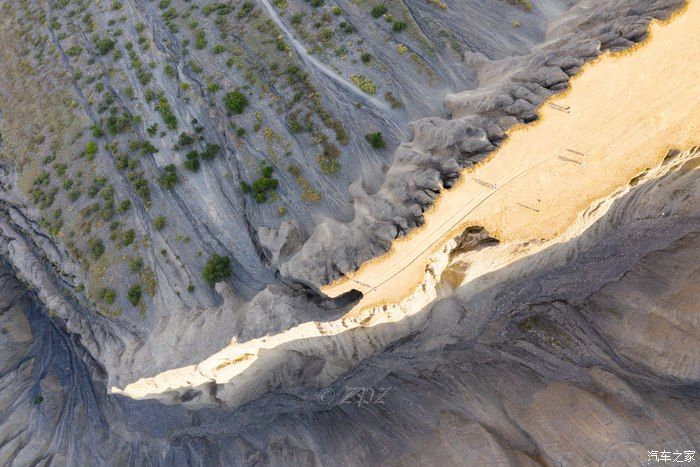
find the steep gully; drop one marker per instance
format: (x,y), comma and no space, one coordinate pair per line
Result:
(590,144)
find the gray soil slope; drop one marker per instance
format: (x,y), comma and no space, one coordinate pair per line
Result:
(139,138)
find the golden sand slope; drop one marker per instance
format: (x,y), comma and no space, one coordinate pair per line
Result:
(625,111)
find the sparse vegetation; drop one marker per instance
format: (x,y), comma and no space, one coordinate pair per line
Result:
(166,113)
(191,161)
(235,102)
(378,10)
(211,151)
(96,247)
(134,294)
(365,84)
(107,295)
(262,186)
(398,26)
(524,4)
(169,177)
(217,269)
(159,222)
(104,45)
(375,140)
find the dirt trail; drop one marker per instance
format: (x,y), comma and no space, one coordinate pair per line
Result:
(622,115)
(619,117)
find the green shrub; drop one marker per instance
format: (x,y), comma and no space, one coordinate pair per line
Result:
(134,294)
(104,45)
(264,184)
(117,124)
(246,8)
(191,161)
(166,113)
(524,4)
(217,269)
(169,177)
(136,264)
(375,139)
(200,39)
(366,57)
(399,26)
(74,51)
(159,222)
(211,151)
(107,294)
(124,205)
(185,139)
(235,102)
(218,49)
(128,237)
(378,10)
(91,148)
(297,18)
(365,84)
(96,247)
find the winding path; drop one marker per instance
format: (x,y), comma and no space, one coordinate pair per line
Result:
(626,112)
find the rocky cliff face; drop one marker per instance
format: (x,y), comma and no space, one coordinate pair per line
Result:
(140,138)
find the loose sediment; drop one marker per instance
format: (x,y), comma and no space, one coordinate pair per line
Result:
(622,115)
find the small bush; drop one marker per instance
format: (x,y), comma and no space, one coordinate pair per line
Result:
(263,185)
(217,269)
(96,247)
(74,51)
(524,4)
(297,18)
(399,26)
(211,151)
(124,205)
(365,84)
(136,264)
(191,161)
(134,294)
(117,124)
(246,8)
(200,39)
(159,223)
(235,102)
(104,45)
(129,237)
(169,177)
(185,139)
(378,10)
(375,139)
(166,113)
(107,294)
(91,148)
